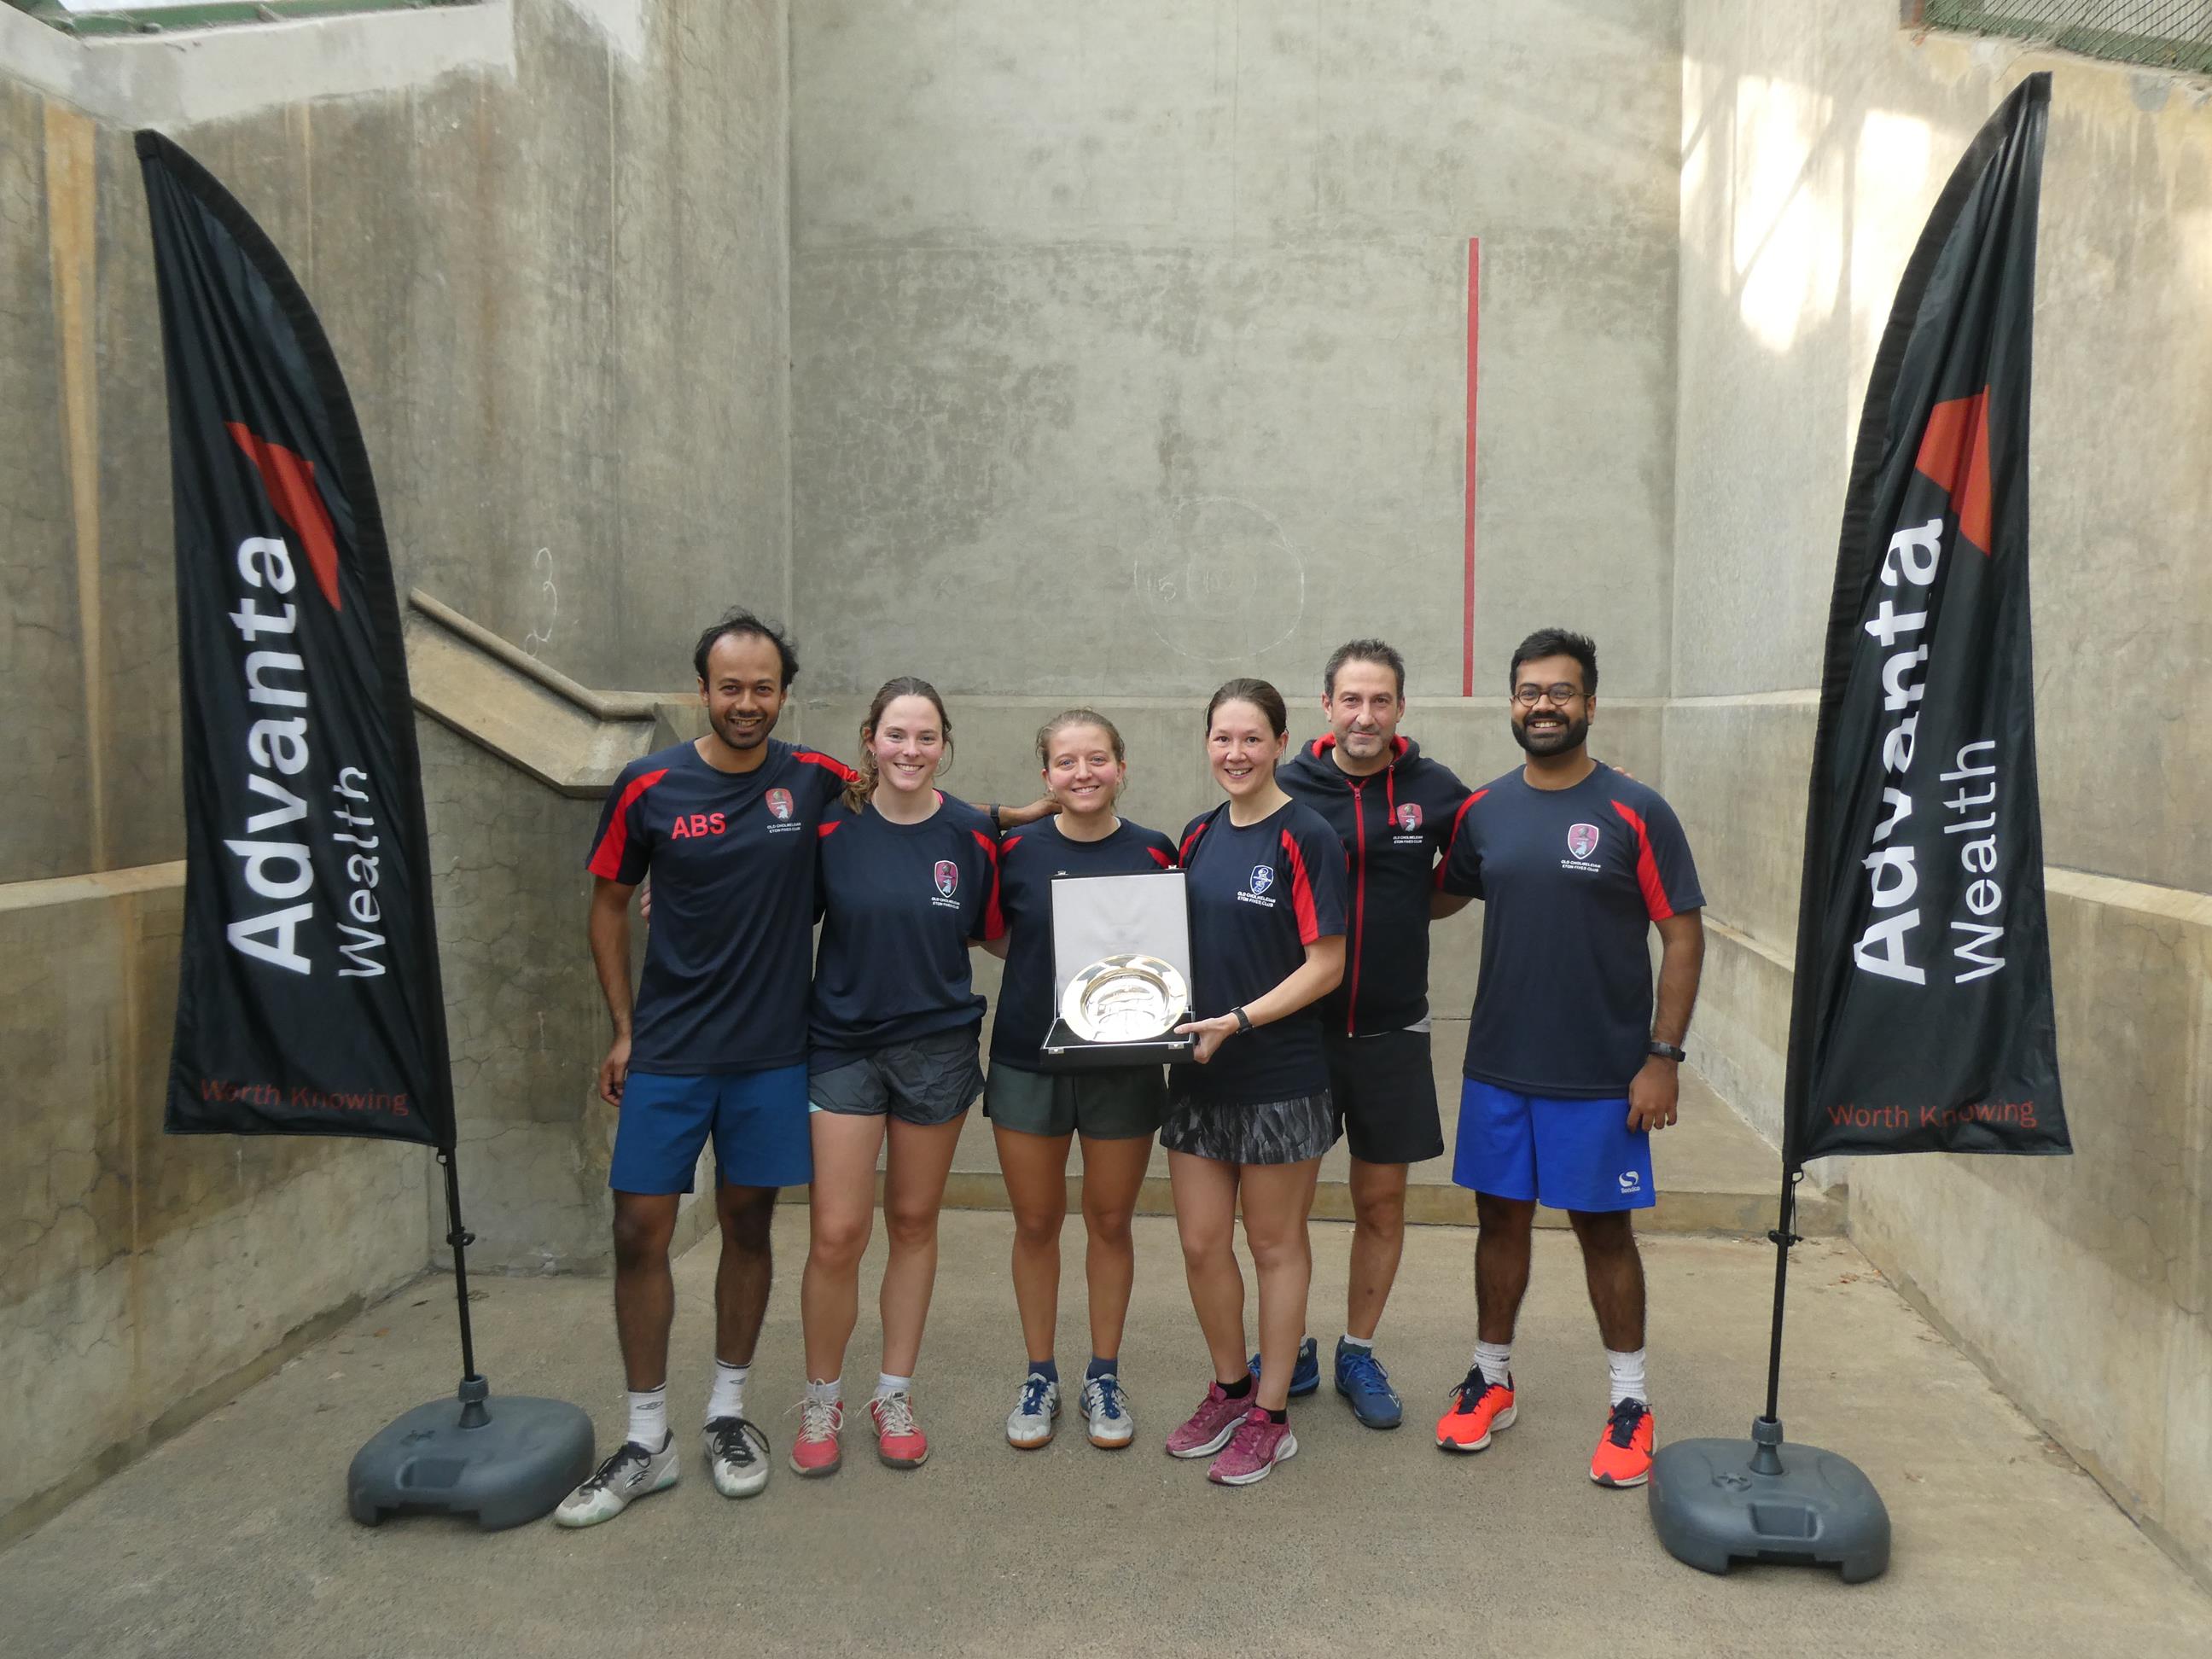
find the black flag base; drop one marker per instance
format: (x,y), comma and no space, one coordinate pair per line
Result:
(1718,1502)
(504,1462)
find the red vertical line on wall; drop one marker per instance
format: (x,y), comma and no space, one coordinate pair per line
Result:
(1474,362)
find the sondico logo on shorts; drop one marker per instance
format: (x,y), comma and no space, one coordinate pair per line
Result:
(1263,878)
(947,877)
(1631,1181)
(1582,842)
(778,802)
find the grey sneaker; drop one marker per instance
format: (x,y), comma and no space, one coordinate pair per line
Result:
(1107,1404)
(737,1451)
(1030,1423)
(631,1473)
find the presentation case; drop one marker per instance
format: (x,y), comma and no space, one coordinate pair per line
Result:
(1111,937)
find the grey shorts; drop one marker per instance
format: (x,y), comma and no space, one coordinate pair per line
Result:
(928,1081)
(1280,1131)
(1117,1105)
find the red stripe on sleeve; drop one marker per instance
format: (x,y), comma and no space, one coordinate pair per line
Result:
(1161,857)
(994,922)
(822,831)
(1191,841)
(1647,868)
(607,856)
(1452,840)
(845,773)
(1301,899)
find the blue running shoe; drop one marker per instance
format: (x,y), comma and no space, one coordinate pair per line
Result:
(1361,1379)
(1305,1376)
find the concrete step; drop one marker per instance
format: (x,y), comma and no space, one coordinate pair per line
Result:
(1714,1173)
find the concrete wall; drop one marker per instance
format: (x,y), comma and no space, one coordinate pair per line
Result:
(548,242)
(1814,141)
(1129,342)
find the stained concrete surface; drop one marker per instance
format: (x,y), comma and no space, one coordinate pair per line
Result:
(232,1538)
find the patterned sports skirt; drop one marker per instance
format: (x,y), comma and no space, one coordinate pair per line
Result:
(1281,1132)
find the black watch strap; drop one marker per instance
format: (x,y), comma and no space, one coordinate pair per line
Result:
(997,828)
(1666,1050)
(1243,1019)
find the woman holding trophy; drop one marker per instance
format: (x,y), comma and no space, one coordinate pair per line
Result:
(1250,1114)
(1035,1116)
(908,878)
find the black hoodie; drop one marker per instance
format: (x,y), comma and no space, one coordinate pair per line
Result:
(1396,826)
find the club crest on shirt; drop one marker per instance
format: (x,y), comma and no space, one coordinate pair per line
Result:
(948,876)
(1582,839)
(1409,816)
(1263,878)
(779,803)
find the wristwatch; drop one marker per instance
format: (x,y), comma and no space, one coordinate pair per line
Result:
(997,828)
(1243,1019)
(1666,1050)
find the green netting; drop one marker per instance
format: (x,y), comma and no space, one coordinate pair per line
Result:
(2173,34)
(122,17)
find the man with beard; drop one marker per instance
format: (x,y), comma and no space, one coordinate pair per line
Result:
(1568,1071)
(717,1047)
(1394,809)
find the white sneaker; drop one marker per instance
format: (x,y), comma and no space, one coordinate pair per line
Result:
(1106,1403)
(737,1451)
(1030,1425)
(631,1473)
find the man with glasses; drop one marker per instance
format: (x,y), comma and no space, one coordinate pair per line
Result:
(1568,1069)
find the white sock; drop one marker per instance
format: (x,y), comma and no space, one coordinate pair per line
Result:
(1627,1370)
(886,1383)
(649,1417)
(831,1393)
(726,1398)
(1352,1341)
(1496,1360)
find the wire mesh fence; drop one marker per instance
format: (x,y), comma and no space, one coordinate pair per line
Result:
(2173,34)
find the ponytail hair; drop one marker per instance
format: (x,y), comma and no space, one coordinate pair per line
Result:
(906,685)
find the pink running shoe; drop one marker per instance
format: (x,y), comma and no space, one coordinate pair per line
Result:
(1211,1425)
(899,1439)
(814,1448)
(1259,1443)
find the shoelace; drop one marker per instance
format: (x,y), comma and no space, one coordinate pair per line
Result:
(1033,1396)
(1251,1431)
(730,1441)
(819,1421)
(1110,1400)
(1470,1391)
(895,1413)
(624,1454)
(1362,1365)
(1620,1428)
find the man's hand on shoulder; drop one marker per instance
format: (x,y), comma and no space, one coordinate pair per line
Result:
(1655,1095)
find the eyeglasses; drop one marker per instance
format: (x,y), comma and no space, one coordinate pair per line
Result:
(1561,695)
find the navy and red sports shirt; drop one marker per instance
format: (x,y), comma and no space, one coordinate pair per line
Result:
(1571,881)
(900,902)
(1028,860)
(732,855)
(1258,897)
(1396,824)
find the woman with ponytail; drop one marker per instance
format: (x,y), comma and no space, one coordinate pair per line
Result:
(1036,1116)
(908,879)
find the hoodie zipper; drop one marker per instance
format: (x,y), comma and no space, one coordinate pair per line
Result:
(1358,909)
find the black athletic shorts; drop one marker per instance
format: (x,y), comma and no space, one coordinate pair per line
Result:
(1385,1091)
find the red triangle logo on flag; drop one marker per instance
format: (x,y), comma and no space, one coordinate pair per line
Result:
(1955,452)
(289,479)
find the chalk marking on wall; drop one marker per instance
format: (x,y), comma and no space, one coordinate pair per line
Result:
(533,639)
(1218,581)
(1473,362)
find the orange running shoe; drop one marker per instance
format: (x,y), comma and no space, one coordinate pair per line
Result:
(1480,1408)
(1623,1457)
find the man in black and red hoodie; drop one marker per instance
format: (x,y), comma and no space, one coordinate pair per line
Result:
(1395,810)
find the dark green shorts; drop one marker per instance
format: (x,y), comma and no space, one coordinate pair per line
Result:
(1116,1105)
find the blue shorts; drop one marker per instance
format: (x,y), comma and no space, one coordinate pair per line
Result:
(757,1119)
(1568,1154)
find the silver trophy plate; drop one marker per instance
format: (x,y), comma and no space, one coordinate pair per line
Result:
(1124,999)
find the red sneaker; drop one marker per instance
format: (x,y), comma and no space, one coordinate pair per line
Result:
(899,1439)
(1480,1408)
(1623,1457)
(814,1448)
